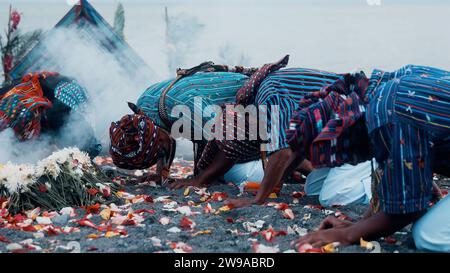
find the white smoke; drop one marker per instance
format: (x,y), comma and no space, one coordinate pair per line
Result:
(109,87)
(23,152)
(230,55)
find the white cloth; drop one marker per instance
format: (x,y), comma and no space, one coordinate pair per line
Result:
(432,231)
(342,185)
(315,180)
(250,171)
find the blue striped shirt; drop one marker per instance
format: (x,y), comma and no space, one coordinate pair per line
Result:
(285,88)
(214,88)
(408,118)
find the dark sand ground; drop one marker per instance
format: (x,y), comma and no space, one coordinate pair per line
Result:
(227,229)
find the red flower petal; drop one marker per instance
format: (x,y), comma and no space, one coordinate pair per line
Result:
(149,211)
(29,228)
(390,240)
(42,188)
(129,222)
(4,240)
(106,193)
(51,231)
(148,199)
(219,196)
(92,191)
(186,223)
(92,248)
(298,194)
(93,209)
(18,218)
(282,206)
(86,223)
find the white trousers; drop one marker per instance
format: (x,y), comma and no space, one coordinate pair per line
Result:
(432,231)
(342,185)
(250,171)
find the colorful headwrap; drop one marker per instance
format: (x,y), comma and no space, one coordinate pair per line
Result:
(21,108)
(134,141)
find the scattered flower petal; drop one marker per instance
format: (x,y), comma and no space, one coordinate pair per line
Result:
(331,248)
(180,247)
(365,244)
(260,248)
(164,221)
(289,214)
(174,230)
(105,214)
(253,227)
(156,241)
(43,220)
(202,232)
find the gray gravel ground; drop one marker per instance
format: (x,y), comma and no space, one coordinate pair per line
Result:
(222,237)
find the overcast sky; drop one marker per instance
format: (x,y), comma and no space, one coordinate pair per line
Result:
(425,2)
(337,35)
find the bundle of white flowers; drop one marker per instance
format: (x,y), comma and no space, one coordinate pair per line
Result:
(17,178)
(65,178)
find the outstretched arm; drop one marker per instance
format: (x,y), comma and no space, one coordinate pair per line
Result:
(220,165)
(156,177)
(276,167)
(378,225)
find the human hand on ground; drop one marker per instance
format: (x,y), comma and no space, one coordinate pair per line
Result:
(323,237)
(333,222)
(183,183)
(240,203)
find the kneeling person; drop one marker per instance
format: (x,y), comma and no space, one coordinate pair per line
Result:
(45,103)
(408,124)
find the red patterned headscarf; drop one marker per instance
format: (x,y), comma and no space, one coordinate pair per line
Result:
(21,107)
(134,141)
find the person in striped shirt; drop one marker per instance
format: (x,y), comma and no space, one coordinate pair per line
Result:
(406,114)
(212,88)
(284,89)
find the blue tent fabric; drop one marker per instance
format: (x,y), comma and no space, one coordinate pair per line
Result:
(94,27)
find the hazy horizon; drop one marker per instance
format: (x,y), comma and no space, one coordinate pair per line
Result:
(330,35)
